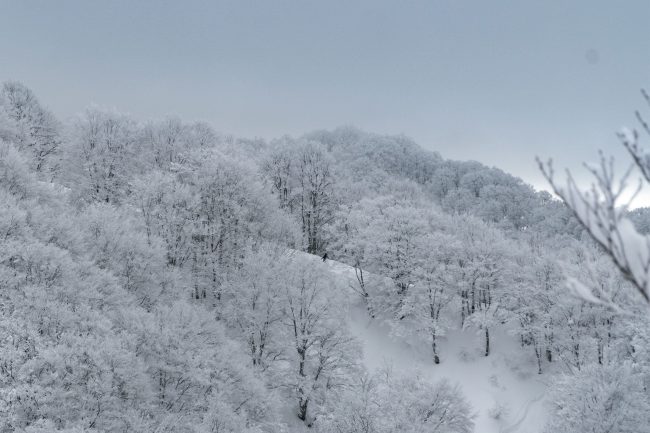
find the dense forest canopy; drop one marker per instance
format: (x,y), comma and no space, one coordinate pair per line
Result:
(156,277)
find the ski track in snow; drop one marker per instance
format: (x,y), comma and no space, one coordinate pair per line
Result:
(515,427)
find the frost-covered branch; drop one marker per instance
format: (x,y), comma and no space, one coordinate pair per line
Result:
(601,210)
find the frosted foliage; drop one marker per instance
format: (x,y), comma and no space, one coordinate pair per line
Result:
(387,403)
(599,400)
(157,276)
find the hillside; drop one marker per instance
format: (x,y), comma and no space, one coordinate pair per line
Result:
(158,276)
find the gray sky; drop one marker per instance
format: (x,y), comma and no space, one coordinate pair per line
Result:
(494,81)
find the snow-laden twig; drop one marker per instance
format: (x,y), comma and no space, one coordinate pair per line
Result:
(601,210)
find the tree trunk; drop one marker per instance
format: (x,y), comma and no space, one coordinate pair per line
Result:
(600,353)
(362,286)
(538,355)
(366,299)
(473,307)
(487,341)
(436,359)
(302,408)
(303,402)
(253,347)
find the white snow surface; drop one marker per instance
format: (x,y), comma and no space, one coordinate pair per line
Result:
(506,378)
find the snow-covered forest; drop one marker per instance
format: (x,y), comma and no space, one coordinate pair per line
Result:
(158,276)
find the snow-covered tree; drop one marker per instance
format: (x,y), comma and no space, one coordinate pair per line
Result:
(324,357)
(301,176)
(32,127)
(599,399)
(424,307)
(168,209)
(101,158)
(388,402)
(254,301)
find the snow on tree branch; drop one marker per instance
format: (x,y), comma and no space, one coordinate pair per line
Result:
(602,208)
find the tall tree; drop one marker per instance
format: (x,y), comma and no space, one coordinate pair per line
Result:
(36,130)
(101,157)
(324,356)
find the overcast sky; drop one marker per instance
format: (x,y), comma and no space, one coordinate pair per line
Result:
(494,81)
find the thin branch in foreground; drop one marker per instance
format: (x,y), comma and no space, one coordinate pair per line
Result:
(598,212)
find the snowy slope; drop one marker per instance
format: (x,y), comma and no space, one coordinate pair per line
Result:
(506,378)
(485,381)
